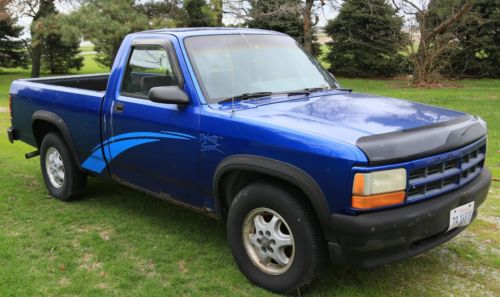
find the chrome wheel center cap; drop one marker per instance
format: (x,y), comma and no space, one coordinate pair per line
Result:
(265,242)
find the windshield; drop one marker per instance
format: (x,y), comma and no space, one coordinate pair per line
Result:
(228,66)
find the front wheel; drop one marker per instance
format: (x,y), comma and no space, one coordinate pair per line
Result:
(62,176)
(275,238)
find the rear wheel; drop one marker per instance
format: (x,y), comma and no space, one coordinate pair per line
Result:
(62,176)
(275,238)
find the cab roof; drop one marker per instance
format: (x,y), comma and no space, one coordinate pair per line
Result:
(186,32)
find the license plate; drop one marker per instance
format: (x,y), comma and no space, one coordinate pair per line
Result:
(461,216)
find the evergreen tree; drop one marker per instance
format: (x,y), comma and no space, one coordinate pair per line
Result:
(198,14)
(366,39)
(478,51)
(58,55)
(12,51)
(45,8)
(277,15)
(105,23)
(162,14)
(282,16)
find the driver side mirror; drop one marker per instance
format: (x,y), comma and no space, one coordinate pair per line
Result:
(168,95)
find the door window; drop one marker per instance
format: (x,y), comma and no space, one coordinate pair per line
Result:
(149,66)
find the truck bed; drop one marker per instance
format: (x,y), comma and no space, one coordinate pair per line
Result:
(75,100)
(92,82)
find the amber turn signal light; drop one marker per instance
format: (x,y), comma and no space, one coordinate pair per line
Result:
(380,200)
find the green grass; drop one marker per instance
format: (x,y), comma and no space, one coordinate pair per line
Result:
(87,48)
(118,242)
(91,66)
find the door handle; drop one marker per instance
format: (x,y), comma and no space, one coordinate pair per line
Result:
(118,107)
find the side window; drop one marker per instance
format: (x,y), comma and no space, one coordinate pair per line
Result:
(148,67)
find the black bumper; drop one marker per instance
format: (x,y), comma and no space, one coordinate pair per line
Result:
(383,237)
(11,133)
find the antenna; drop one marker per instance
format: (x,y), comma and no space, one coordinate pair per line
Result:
(232,77)
(232,90)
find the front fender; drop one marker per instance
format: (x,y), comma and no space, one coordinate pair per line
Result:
(279,170)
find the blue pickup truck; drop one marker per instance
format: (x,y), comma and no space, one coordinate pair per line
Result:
(245,126)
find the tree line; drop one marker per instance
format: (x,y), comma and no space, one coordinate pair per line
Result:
(369,38)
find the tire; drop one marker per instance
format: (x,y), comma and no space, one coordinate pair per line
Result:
(62,176)
(281,210)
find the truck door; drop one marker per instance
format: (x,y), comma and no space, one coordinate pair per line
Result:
(153,146)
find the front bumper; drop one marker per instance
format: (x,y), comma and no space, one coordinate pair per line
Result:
(387,236)
(11,134)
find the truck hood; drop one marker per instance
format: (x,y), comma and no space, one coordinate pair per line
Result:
(367,113)
(342,115)
(353,117)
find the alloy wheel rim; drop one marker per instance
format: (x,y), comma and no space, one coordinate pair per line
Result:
(54,167)
(268,241)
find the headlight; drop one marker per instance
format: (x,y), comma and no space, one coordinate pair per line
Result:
(379,188)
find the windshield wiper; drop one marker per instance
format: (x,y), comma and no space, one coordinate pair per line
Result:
(319,89)
(306,91)
(246,96)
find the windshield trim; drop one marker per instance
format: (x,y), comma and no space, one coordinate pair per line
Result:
(201,84)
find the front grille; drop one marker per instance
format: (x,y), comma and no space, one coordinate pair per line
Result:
(447,175)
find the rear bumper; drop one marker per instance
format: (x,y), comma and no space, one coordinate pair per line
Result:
(383,237)
(12,134)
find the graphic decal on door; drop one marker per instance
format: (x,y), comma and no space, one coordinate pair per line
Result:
(116,145)
(210,143)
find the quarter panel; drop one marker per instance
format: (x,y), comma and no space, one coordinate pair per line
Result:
(79,109)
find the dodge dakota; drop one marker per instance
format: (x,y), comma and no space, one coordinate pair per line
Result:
(246,126)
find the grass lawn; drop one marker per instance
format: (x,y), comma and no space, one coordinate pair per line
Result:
(118,242)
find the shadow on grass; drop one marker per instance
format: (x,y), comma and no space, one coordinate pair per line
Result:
(119,200)
(426,274)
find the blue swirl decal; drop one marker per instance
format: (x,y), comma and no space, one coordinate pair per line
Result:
(116,145)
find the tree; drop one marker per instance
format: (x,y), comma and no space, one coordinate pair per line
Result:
(162,14)
(12,51)
(277,15)
(283,16)
(307,25)
(478,51)
(218,7)
(59,56)
(198,14)
(309,10)
(366,39)
(45,8)
(105,23)
(436,21)
(45,22)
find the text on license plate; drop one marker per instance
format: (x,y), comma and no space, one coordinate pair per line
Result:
(461,216)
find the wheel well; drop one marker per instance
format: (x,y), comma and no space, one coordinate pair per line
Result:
(42,128)
(232,182)
(45,122)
